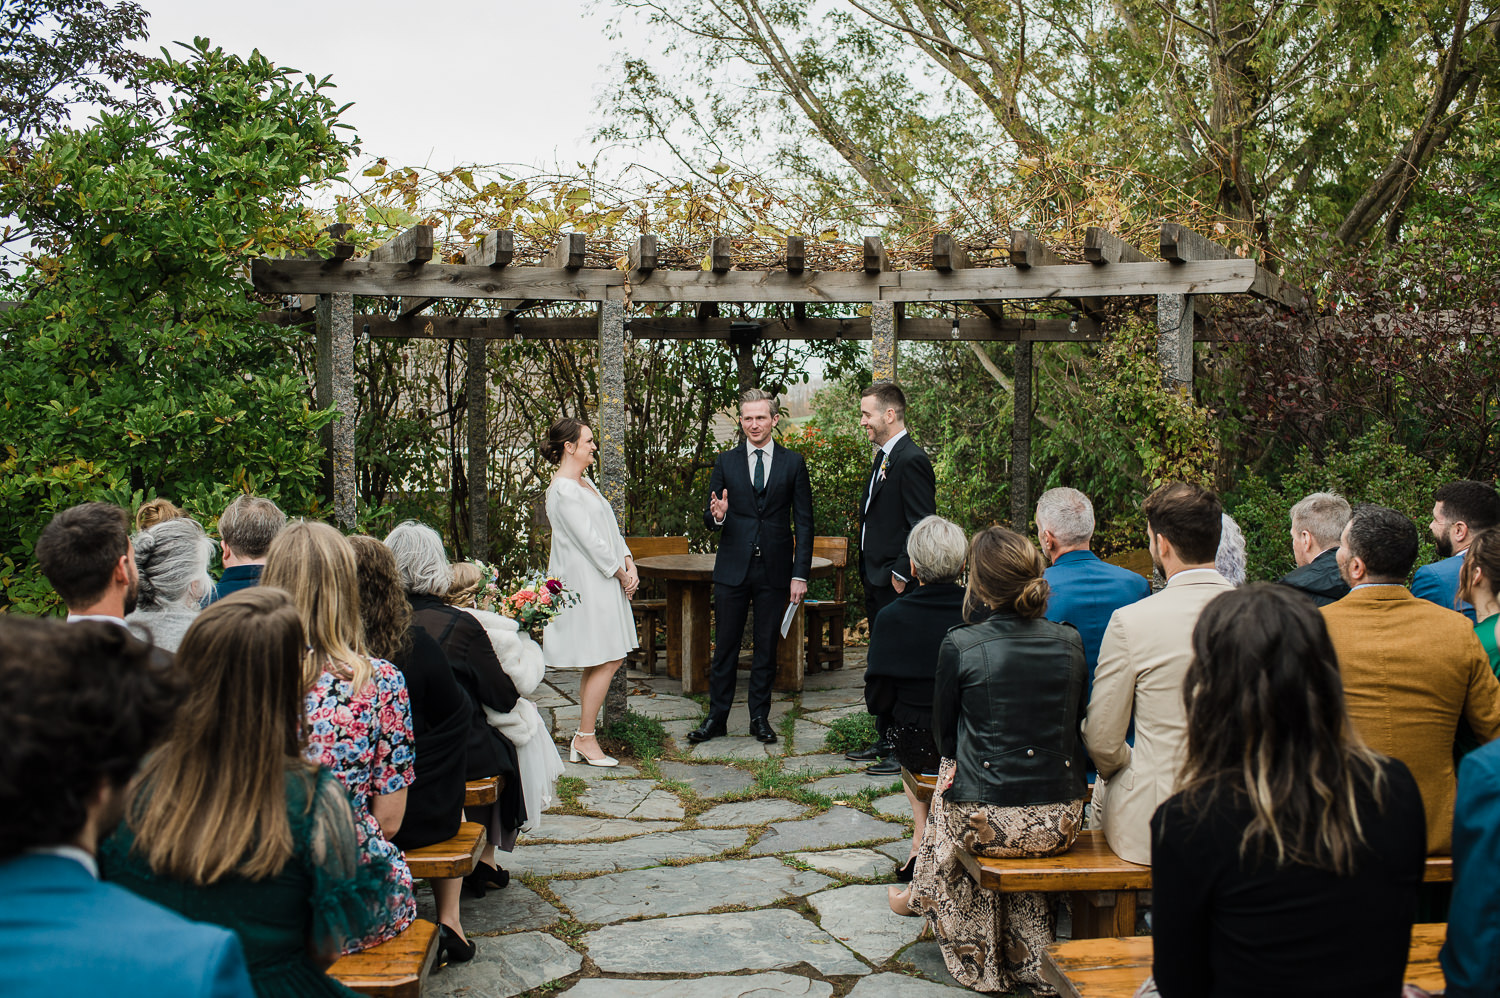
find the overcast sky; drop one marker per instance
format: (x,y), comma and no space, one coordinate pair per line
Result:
(439,83)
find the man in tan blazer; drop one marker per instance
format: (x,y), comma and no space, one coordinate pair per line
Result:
(1145,654)
(1411,668)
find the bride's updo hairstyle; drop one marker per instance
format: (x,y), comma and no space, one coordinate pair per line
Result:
(1005,574)
(565,431)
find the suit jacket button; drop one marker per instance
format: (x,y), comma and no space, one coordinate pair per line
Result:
(1068,763)
(1030,752)
(986,765)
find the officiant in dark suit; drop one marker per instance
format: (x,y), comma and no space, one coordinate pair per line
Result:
(758,496)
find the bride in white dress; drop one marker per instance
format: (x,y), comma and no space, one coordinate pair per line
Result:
(590,557)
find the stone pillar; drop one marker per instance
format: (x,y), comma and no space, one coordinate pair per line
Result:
(477,401)
(609,433)
(335,332)
(1174,341)
(1020,441)
(883,321)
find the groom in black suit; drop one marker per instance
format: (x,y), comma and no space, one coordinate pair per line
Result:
(758,493)
(899,493)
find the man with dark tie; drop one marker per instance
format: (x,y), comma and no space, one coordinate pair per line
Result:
(759,495)
(900,492)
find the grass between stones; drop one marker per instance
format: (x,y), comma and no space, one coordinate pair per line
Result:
(569,789)
(854,731)
(634,735)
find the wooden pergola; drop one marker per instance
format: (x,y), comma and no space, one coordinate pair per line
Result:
(1189,265)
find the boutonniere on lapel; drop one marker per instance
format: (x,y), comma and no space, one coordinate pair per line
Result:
(885,460)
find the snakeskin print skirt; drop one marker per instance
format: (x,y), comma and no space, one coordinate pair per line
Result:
(989,940)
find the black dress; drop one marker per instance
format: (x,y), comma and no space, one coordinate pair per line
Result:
(478,671)
(440,714)
(1225,927)
(902,660)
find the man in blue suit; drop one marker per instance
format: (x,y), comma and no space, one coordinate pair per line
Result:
(1459,511)
(80,705)
(1471,956)
(1086,590)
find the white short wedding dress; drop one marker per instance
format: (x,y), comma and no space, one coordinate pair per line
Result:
(587,550)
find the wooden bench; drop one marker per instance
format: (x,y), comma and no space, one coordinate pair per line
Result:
(395,969)
(456,857)
(478,792)
(921,785)
(829,613)
(1103,885)
(650,613)
(1114,968)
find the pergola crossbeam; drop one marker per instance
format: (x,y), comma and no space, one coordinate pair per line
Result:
(412,248)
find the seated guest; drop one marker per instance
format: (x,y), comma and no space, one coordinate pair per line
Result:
(1086,590)
(439,717)
(229,823)
(1289,861)
(1460,511)
(537,757)
(1411,669)
(172,560)
(156,511)
(1471,955)
(1317,524)
(1006,705)
(903,656)
(427,576)
(1142,662)
(80,706)
(357,707)
(85,553)
(1478,580)
(1229,560)
(246,530)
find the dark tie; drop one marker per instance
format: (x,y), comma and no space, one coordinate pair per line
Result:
(760,470)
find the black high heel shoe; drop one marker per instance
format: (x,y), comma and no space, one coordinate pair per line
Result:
(905,873)
(452,948)
(486,878)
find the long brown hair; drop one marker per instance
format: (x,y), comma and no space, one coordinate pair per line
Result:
(315,563)
(1266,724)
(1483,554)
(212,800)
(383,606)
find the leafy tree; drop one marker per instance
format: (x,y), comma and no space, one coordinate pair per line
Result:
(133,364)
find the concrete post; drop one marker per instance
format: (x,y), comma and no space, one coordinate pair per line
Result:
(1174,341)
(477,398)
(883,321)
(335,332)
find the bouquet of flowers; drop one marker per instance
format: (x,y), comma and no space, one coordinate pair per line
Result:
(536,602)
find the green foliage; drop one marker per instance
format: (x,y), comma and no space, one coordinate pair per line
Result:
(837,462)
(134,364)
(853,731)
(1372,469)
(641,737)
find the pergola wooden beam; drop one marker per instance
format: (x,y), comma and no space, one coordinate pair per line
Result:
(566,253)
(1102,247)
(948,256)
(642,258)
(496,248)
(412,248)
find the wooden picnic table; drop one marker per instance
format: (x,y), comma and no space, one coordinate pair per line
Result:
(1115,968)
(690,600)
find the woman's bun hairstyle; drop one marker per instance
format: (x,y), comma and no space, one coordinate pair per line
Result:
(1005,573)
(565,431)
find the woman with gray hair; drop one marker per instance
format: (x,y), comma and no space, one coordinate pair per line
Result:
(427,576)
(172,561)
(902,660)
(1230,559)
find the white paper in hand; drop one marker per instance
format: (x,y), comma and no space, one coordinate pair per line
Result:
(788,617)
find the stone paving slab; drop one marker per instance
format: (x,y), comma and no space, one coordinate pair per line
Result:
(505,967)
(860,917)
(631,854)
(851,783)
(809,736)
(685,890)
(592,773)
(739,716)
(815,700)
(745,940)
(545,696)
(820,763)
(835,827)
(736,747)
(901,986)
(573,827)
(512,909)
(678,731)
(744,986)
(845,678)
(708,780)
(751,812)
(927,957)
(833,714)
(896,805)
(665,708)
(631,799)
(859,864)
(900,850)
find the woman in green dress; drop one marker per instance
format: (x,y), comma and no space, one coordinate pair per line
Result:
(229,823)
(1478,583)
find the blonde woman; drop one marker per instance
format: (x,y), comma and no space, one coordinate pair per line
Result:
(358,711)
(590,557)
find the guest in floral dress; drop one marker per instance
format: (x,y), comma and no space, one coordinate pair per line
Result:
(357,708)
(229,823)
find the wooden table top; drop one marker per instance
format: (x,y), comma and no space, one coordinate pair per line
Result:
(1114,968)
(700,567)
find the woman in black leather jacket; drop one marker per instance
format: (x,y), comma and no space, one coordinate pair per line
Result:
(1007,705)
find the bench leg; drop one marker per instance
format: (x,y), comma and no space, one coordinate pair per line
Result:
(1103,914)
